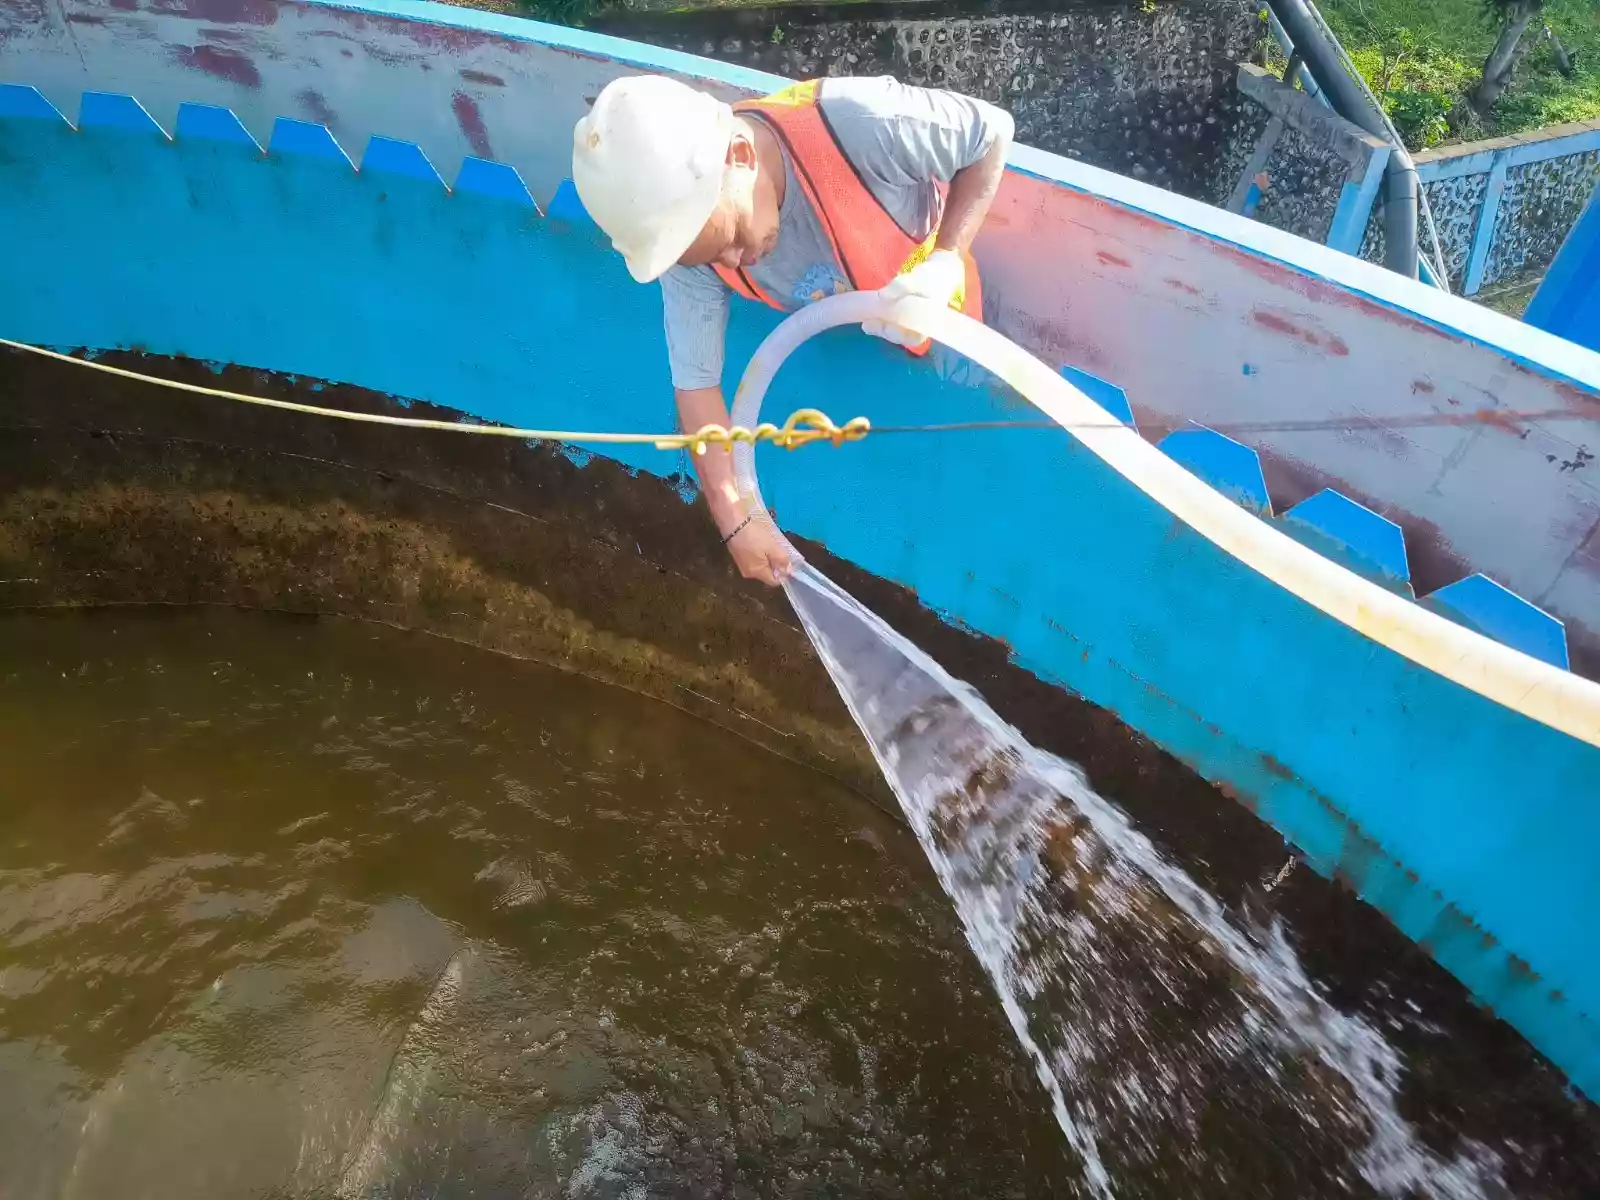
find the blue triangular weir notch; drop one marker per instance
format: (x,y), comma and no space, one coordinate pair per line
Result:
(500,180)
(306,139)
(1104,393)
(1486,607)
(209,123)
(117,112)
(28,103)
(1354,536)
(1231,467)
(566,206)
(389,156)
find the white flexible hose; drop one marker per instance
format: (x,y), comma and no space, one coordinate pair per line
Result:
(1557,698)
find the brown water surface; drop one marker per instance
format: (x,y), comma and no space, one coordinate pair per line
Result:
(308,908)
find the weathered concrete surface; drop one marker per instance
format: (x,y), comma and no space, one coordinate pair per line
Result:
(1142,90)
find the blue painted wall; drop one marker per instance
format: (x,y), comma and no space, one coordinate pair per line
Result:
(1452,814)
(1568,301)
(1198,315)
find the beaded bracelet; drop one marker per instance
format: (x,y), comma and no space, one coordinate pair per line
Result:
(734,532)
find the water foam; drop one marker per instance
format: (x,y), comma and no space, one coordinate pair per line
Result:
(1146,1009)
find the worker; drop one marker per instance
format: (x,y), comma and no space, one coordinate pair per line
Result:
(828,186)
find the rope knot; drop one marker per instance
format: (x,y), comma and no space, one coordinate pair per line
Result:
(805,425)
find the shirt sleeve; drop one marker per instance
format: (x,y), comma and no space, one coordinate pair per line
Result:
(903,136)
(694,309)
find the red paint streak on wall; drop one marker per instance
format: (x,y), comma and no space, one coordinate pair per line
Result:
(443,38)
(1112,260)
(1389,442)
(1049,212)
(1055,342)
(1499,420)
(1576,399)
(1587,558)
(482,77)
(220,62)
(1276,324)
(1433,560)
(1179,285)
(1039,208)
(221,12)
(1319,291)
(1321,340)
(316,105)
(471,122)
(1057,215)
(1583,646)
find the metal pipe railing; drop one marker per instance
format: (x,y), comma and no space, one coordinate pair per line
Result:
(1325,62)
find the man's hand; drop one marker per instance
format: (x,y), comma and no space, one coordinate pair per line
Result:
(758,550)
(760,553)
(938,278)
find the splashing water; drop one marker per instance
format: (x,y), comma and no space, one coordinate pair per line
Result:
(1154,1020)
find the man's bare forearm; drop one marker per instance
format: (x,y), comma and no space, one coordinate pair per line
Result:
(972,191)
(705,406)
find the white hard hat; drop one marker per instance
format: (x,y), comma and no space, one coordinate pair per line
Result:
(648,161)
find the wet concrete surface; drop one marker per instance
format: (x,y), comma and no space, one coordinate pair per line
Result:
(112,493)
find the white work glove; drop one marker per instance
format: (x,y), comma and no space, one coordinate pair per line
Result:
(938,278)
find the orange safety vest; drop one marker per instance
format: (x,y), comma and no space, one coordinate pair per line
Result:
(867,241)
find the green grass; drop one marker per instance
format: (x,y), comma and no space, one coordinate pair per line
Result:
(1421,56)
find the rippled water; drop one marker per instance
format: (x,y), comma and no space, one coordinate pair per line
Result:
(310,909)
(1185,1050)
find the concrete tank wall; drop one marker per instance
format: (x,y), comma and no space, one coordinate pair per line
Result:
(1394,776)
(1197,314)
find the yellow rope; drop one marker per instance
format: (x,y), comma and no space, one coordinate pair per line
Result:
(805,425)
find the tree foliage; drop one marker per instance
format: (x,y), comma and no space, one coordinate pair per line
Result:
(1425,60)
(1511,19)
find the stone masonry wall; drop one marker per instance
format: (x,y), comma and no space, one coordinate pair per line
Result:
(1542,200)
(1300,154)
(1144,90)
(1246,122)
(1456,205)
(1542,179)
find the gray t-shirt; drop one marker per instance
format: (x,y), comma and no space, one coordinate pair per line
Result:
(901,140)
